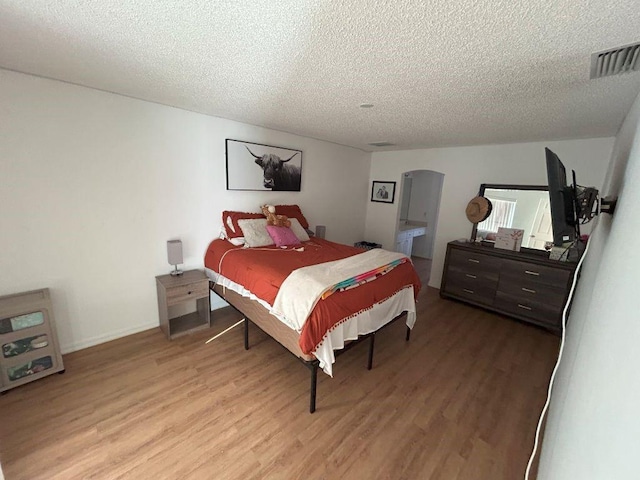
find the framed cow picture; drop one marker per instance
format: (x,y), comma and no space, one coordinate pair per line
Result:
(254,166)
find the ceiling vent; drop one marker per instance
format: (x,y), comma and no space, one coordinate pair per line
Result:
(615,61)
(382,144)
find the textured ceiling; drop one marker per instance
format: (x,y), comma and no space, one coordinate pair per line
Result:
(439,72)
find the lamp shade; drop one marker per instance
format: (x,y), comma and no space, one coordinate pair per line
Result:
(174,252)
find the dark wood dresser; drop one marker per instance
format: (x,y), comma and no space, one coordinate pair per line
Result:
(525,286)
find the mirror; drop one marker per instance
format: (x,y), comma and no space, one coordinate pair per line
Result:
(517,206)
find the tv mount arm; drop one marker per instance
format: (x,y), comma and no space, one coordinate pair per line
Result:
(608,204)
(586,203)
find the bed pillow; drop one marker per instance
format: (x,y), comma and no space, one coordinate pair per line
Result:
(230,222)
(237,241)
(297,229)
(292,211)
(255,232)
(282,236)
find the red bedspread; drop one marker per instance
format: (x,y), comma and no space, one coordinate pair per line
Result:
(262,271)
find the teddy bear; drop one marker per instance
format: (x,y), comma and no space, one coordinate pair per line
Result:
(269,211)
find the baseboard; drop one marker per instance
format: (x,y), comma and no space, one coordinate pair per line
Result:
(91,342)
(216,303)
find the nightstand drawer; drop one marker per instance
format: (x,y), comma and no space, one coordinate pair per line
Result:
(182,293)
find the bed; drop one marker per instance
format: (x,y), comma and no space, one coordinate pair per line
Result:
(307,295)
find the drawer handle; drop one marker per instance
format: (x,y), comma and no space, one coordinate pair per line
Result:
(524,307)
(467,290)
(473,260)
(529,272)
(469,275)
(528,290)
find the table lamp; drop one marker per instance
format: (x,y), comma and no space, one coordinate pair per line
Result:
(174,255)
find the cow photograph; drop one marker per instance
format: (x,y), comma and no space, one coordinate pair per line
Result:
(254,166)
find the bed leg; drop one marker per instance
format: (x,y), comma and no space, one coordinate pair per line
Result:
(314,384)
(372,340)
(408,334)
(246,334)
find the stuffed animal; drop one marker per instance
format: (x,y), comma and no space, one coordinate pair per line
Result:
(269,211)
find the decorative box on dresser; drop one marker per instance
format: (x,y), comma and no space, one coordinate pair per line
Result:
(526,286)
(176,291)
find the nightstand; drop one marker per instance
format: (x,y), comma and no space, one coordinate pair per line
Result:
(178,290)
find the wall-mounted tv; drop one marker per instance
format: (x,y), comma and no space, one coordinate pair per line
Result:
(562,200)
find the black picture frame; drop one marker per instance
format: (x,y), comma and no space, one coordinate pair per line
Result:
(259,167)
(383,191)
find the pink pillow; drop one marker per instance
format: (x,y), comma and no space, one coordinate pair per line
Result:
(282,236)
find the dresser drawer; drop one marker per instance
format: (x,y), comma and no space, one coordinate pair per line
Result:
(529,291)
(182,293)
(467,261)
(538,274)
(470,286)
(541,312)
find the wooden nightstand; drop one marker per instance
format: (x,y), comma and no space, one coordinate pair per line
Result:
(172,291)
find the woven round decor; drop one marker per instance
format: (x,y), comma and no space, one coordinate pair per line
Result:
(478,209)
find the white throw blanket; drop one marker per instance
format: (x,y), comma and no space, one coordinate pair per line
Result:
(302,289)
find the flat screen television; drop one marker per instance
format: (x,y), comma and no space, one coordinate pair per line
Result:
(562,201)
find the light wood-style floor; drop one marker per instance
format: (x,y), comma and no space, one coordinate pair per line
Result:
(459,401)
(423,267)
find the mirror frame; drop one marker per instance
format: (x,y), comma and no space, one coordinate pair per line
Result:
(484,186)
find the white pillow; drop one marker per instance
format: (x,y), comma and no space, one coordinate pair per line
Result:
(297,229)
(255,232)
(238,241)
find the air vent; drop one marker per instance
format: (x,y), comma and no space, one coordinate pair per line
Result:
(382,144)
(615,61)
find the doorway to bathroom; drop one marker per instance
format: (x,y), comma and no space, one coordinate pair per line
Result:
(421,191)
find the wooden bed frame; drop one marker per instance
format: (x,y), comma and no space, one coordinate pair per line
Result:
(288,338)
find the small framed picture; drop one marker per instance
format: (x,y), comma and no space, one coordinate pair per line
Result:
(384,192)
(509,238)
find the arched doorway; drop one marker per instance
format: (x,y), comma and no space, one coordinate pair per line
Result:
(420,195)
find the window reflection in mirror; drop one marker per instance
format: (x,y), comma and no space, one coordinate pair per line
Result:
(517,206)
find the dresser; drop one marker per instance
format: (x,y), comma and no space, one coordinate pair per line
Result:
(525,286)
(29,347)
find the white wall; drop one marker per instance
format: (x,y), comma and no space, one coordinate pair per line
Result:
(94,184)
(465,168)
(593,429)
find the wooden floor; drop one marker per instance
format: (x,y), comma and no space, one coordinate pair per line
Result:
(423,267)
(459,401)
